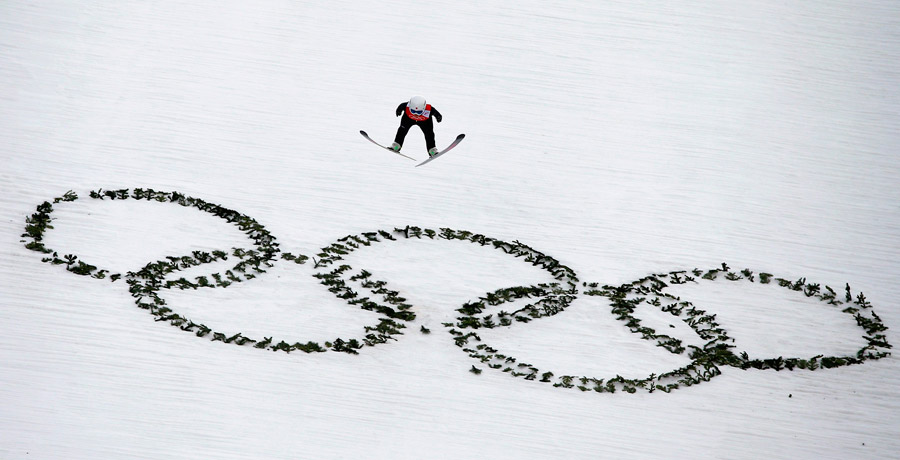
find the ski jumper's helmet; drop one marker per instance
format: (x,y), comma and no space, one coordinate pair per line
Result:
(416,104)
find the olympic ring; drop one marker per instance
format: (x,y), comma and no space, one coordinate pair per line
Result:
(552,298)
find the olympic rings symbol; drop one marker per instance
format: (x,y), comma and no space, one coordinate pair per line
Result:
(548,299)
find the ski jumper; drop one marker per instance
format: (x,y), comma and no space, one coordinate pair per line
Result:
(423,121)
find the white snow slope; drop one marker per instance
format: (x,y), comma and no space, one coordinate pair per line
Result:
(621,138)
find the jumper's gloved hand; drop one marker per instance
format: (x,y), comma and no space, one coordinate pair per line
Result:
(437,117)
(399,112)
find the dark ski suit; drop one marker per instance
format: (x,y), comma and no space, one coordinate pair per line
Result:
(423,121)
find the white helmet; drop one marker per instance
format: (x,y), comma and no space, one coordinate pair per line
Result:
(416,104)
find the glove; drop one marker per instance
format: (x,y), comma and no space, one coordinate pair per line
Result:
(438,118)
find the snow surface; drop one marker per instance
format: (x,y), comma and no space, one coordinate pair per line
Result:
(622,138)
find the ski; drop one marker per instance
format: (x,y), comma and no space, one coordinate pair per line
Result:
(386,148)
(453,144)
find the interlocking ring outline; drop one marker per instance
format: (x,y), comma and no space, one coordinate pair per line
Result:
(552,298)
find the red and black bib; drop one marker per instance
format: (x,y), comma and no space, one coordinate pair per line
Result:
(423,116)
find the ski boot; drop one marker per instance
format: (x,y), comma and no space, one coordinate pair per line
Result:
(395,147)
(432,152)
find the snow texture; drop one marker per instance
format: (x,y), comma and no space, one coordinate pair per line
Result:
(621,138)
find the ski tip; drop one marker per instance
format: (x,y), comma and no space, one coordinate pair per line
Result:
(461,136)
(363,133)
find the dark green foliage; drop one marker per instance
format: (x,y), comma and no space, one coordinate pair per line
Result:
(717,351)
(545,299)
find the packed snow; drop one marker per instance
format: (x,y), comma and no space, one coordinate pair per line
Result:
(622,139)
